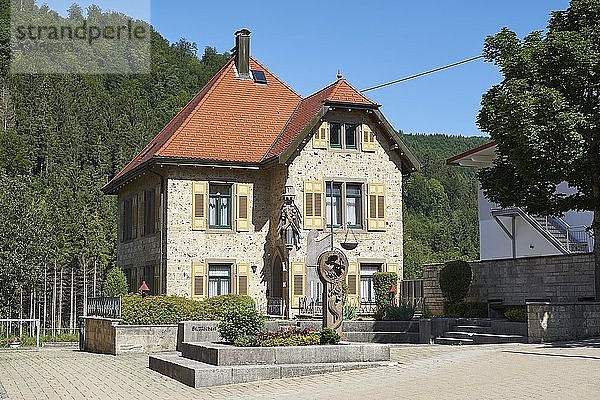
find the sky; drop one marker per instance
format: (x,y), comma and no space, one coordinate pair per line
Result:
(306,42)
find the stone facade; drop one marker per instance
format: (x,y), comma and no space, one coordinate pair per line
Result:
(549,322)
(260,247)
(565,278)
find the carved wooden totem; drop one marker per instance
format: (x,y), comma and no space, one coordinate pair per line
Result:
(333,267)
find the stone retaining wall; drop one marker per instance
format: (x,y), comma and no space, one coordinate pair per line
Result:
(107,336)
(548,322)
(564,278)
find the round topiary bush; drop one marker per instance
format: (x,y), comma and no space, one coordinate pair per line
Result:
(115,283)
(455,278)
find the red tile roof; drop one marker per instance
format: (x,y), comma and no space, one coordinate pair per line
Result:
(239,121)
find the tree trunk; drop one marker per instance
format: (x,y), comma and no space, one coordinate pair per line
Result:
(596,231)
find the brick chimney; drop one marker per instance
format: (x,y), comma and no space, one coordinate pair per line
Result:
(242,53)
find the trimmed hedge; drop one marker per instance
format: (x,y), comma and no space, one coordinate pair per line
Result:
(402,312)
(382,283)
(517,314)
(161,310)
(455,279)
(467,309)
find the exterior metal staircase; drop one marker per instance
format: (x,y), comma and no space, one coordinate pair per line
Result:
(567,239)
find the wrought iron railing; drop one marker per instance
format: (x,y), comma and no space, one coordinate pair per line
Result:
(108,307)
(275,306)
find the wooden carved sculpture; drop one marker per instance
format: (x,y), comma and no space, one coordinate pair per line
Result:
(333,267)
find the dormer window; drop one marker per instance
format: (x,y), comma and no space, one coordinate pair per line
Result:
(342,136)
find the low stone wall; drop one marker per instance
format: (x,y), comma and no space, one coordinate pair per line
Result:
(564,278)
(549,322)
(107,336)
(98,335)
(145,338)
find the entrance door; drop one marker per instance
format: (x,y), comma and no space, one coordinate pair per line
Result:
(367,289)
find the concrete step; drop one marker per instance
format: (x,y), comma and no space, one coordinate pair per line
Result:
(381,326)
(485,338)
(473,328)
(452,341)
(197,374)
(484,322)
(382,337)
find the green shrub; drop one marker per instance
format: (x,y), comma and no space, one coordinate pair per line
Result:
(349,312)
(238,322)
(115,283)
(467,309)
(158,310)
(296,340)
(383,282)
(455,279)
(212,309)
(329,336)
(155,310)
(403,312)
(517,314)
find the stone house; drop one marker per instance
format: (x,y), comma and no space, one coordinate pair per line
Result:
(240,191)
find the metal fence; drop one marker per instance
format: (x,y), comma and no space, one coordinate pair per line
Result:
(108,307)
(13,329)
(411,293)
(275,307)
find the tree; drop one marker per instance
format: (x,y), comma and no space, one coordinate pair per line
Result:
(115,283)
(545,117)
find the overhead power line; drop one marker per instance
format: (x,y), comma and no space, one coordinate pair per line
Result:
(431,71)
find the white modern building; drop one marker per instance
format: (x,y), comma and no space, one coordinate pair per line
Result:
(513,233)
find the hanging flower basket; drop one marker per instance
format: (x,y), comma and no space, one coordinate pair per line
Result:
(349,245)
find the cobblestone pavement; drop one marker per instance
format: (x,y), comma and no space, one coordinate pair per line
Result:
(567,371)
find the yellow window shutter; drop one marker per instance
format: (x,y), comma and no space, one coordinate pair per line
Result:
(242,278)
(320,136)
(353,282)
(157,207)
(242,192)
(199,205)
(298,279)
(376,207)
(134,215)
(313,204)
(367,138)
(199,281)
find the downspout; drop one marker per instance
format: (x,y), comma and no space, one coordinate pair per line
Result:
(163,227)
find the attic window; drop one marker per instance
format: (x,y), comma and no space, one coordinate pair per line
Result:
(259,76)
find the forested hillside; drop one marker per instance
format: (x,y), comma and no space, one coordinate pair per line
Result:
(61,138)
(440,219)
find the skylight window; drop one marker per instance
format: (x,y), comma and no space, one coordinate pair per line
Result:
(259,76)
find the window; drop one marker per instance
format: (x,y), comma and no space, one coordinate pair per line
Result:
(335,135)
(149,211)
(342,136)
(127,227)
(219,279)
(367,289)
(333,201)
(350,135)
(344,205)
(219,214)
(354,205)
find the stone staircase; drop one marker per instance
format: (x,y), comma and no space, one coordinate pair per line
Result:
(483,331)
(381,331)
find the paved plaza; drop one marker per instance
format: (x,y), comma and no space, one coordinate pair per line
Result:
(525,371)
